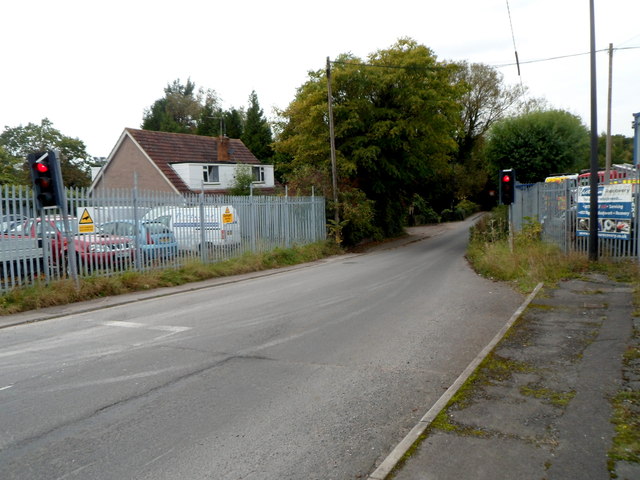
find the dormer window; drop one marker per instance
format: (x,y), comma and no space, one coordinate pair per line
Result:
(210,174)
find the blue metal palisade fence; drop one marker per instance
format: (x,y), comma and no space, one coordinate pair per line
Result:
(563,216)
(120,230)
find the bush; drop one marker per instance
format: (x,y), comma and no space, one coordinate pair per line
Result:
(467,208)
(357,215)
(420,212)
(447,215)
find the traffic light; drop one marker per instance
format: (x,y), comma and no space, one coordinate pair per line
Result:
(46,179)
(507,186)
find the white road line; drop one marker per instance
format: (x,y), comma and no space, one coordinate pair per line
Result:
(162,328)
(6,388)
(115,323)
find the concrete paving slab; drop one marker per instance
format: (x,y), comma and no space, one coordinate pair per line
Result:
(552,421)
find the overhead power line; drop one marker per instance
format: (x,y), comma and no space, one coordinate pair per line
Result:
(560,57)
(431,67)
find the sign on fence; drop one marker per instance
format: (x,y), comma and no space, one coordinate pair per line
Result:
(614,211)
(85,220)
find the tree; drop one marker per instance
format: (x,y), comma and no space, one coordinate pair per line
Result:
(257,135)
(20,141)
(621,150)
(182,109)
(396,117)
(10,171)
(539,144)
(485,101)
(234,121)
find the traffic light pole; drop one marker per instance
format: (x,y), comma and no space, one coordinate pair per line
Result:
(46,247)
(49,192)
(511,227)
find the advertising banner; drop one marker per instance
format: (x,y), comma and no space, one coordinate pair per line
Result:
(614,211)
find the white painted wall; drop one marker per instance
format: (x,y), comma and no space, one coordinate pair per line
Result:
(191,174)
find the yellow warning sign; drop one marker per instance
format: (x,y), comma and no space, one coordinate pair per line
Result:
(85,220)
(227,216)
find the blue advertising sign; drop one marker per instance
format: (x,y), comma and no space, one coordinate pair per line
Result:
(614,211)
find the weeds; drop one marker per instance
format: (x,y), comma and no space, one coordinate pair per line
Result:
(555,398)
(626,418)
(530,260)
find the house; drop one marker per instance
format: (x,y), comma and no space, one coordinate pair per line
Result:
(179,163)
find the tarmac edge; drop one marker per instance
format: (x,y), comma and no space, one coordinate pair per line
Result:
(390,462)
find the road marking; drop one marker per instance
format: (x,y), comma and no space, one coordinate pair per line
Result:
(115,323)
(167,329)
(6,388)
(163,328)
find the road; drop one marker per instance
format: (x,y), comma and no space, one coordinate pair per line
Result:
(310,373)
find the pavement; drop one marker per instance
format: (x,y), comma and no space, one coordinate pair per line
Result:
(541,409)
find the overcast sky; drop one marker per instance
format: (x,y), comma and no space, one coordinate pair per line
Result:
(93,67)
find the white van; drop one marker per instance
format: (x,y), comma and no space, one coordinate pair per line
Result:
(221,225)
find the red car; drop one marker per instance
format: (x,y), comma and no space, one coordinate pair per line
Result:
(94,250)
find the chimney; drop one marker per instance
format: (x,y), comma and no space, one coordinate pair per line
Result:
(223,148)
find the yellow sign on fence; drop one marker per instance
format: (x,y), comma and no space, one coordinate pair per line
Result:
(227,216)
(85,220)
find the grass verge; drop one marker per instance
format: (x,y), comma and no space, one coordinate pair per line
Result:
(63,292)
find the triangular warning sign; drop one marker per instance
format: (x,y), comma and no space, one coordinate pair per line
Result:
(85,218)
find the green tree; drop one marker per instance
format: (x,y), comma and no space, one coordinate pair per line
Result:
(257,135)
(486,100)
(621,150)
(20,141)
(11,172)
(396,116)
(210,123)
(234,121)
(181,110)
(539,144)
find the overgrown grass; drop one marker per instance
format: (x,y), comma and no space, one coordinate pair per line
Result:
(523,260)
(63,292)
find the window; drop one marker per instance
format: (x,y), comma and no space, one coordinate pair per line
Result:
(210,174)
(258,174)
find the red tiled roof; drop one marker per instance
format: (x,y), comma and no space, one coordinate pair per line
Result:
(165,148)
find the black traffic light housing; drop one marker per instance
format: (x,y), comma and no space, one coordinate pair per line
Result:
(46,178)
(507,186)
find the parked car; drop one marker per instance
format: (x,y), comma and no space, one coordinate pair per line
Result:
(9,222)
(154,239)
(92,250)
(220,224)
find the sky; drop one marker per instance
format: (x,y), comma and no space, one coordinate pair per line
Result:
(92,68)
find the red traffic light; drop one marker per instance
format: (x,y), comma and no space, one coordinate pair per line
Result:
(506,179)
(42,167)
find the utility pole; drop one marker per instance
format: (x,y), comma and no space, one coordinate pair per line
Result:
(332,140)
(593,203)
(608,153)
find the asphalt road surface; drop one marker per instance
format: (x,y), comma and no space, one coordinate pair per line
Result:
(311,373)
